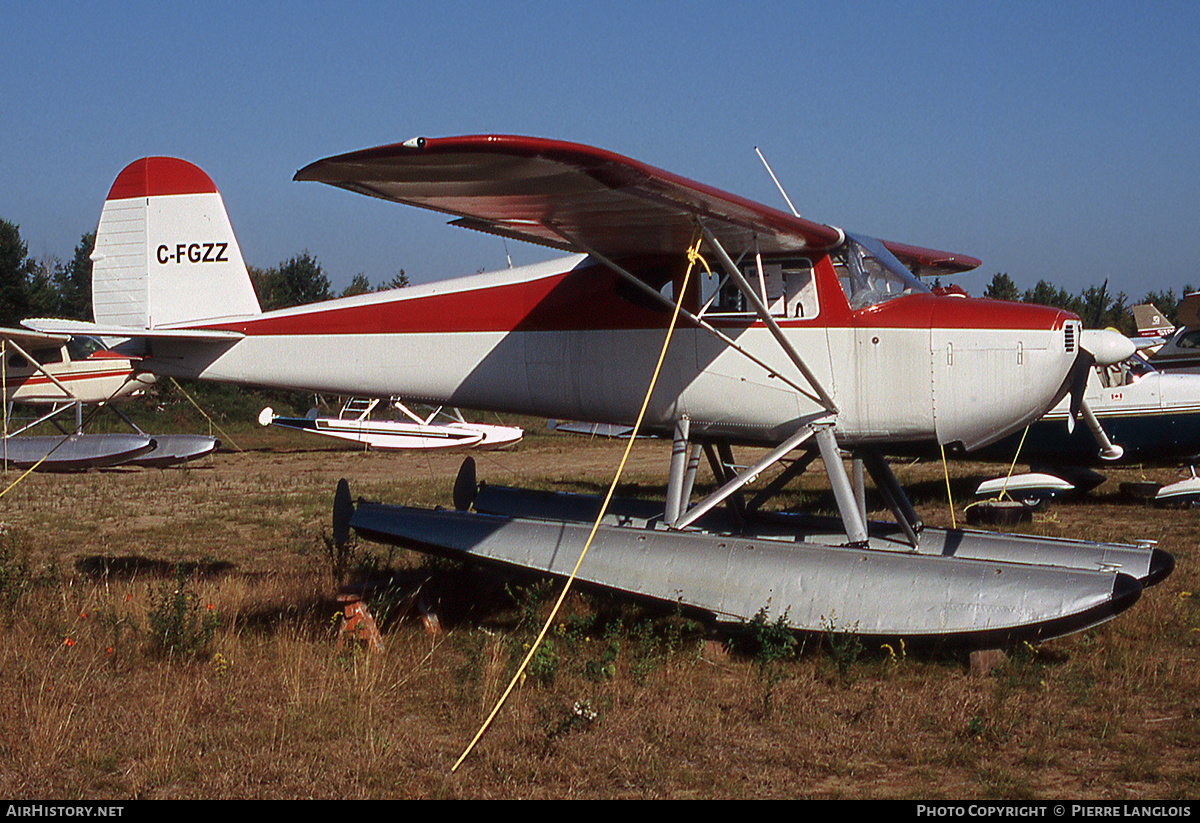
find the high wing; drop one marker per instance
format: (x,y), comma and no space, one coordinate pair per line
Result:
(930,261)
(577,198)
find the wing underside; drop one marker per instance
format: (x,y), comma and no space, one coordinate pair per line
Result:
(562,195)
(577,198)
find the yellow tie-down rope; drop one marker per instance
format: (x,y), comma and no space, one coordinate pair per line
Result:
(693,257)
(999,498)
(949,494)
(211,423)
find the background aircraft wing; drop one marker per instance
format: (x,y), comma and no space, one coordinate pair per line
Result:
(27,337)
(564,195)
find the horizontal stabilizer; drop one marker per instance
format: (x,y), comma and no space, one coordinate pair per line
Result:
(82,327)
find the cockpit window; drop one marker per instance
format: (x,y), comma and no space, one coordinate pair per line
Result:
(870,274)
(1188,340)
(80,347)
(1125,373)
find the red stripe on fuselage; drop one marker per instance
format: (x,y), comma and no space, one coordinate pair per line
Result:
(37,378)
(587,298)
(592,298)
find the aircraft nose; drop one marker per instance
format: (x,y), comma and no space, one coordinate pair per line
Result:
(998,366)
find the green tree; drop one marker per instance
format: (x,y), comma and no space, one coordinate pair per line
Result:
(74,281)
(296,282)
(358,285)
(303,281)
(1044,294)
(263,281)
(44,300)
(1002,288)
(15,271)
(400,281)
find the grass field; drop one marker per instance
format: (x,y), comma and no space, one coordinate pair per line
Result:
(173,634)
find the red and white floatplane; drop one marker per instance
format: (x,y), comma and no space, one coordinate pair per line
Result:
(801,340)
(63,373)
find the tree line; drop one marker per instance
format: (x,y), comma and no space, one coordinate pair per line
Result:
(1095,306)
(50,287)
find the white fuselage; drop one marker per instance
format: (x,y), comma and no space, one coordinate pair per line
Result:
(562,339)
(56,377)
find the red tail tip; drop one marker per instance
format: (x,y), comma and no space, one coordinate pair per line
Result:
(151,176)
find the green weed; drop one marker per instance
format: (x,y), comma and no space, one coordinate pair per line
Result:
(178,627)
(15,575)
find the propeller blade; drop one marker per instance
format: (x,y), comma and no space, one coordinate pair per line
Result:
(1103,347)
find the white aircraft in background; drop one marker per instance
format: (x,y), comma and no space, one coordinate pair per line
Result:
(65,372)
(440,429)
(804,339)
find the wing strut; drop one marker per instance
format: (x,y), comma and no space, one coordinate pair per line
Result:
(739,480)
(843,493)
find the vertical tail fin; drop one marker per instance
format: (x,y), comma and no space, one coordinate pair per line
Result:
(1150,321)
(165,252)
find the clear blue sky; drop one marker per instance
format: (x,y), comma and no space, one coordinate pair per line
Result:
(1051,140)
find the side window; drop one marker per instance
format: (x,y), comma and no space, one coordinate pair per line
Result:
(1189,340)
(47,356)
(785,287)
(79,348)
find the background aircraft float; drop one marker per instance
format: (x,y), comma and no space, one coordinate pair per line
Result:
(66,373)
(440,429)
(804,337)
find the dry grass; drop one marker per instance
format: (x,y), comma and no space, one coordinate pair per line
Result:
(621,703)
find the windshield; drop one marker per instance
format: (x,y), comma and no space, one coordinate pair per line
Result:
(80,347)
(870,274)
